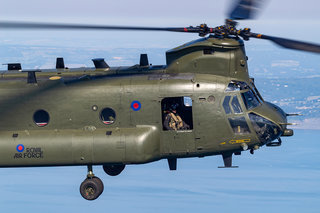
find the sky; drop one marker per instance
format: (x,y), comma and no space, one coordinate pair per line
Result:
(300,18)
(286,18)
(152,10)
(274,179)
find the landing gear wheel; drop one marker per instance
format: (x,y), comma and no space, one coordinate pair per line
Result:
(99,183)
(113,170)
(90,189)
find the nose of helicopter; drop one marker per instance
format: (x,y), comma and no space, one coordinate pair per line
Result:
(278,115)
(269,122)
(283,121)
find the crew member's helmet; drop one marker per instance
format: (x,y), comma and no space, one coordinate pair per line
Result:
(174,107)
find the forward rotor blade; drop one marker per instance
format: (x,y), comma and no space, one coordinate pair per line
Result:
(245,9)
(289,43)
(35,25)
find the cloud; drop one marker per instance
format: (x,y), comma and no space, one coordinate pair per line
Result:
(285,63)
(117,58)
(308,123)
(303,108)
(312,98)
(313,76)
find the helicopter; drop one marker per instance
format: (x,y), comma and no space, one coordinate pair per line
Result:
(201,103)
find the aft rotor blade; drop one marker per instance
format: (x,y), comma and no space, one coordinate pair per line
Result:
(289,43)
(244,9)
(35,25)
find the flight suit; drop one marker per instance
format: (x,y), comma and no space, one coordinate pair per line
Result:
(174,122)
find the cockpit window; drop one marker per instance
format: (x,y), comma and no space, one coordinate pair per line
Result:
(236,86)
(250,100)
(239,125)
(266,130)
(236,105)
(232,86)
(255,90)
(258,94)
(226,105)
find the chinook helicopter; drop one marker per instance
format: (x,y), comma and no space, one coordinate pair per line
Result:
(115,116)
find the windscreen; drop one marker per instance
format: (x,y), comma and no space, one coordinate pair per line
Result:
(250,100)
(257,92)
(266,130)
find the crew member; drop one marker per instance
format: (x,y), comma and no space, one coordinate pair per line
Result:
(173,121)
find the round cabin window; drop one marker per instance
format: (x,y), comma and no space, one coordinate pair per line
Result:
(41,118)
(108,116)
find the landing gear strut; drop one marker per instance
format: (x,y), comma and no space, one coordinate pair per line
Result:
(92,187)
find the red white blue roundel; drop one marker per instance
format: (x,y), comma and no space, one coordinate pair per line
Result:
(20,147)
(136,105)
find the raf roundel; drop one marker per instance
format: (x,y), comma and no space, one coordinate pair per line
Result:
(136,105)
(20,148)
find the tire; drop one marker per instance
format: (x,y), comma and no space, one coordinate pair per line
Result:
(114,170)
(99,183)
(90,189)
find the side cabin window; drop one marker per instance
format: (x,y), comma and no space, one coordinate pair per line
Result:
(107,116)
(41,118)
(177,113)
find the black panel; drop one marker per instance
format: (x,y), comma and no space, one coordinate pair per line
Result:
(172,162)
(60,63)
(32,78)
(99,63)
(144,60)
(14,66)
